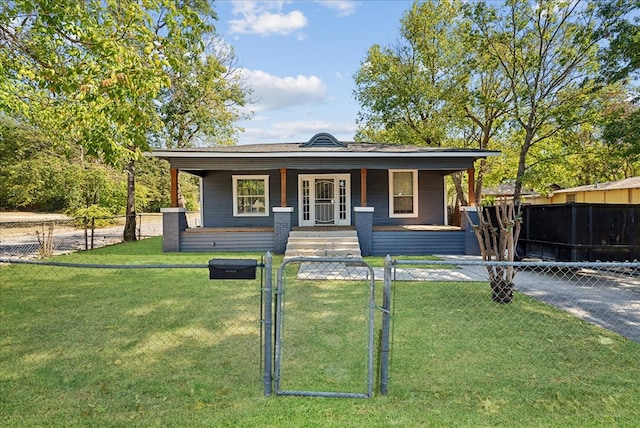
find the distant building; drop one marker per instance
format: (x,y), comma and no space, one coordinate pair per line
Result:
(505,191)
(625,191)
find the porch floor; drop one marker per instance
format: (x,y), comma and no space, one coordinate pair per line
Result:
(396,228)
(417,228)
(227,229)
(321,228)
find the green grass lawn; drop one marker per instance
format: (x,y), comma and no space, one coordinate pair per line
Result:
(169,347)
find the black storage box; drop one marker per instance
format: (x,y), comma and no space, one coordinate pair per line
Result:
(232,269)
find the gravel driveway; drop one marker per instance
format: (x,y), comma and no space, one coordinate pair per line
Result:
(609,299)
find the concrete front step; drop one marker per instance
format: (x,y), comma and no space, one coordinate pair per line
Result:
(323,244)
(323,234)
(330,253)
(335,242)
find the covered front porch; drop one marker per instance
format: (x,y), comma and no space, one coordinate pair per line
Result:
(318,199)
(373,240)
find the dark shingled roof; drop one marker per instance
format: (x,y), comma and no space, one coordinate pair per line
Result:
(351,147)
(322,145)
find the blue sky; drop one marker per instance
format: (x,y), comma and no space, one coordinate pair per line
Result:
(299,57)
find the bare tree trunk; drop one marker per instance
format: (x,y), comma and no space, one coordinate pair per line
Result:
(130,222)
(182,201)
(499,241)
(457,181)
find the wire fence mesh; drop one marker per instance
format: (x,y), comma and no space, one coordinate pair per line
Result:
(324,342)
(108,326)
(101,329)
(32,239)
(559,313)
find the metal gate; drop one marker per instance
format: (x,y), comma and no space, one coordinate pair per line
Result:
(324,328)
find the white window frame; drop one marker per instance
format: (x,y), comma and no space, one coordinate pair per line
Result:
(265,178)
(414,214)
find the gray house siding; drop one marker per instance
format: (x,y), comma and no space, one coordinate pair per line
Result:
(217,200)
(218,197)
(226,241)
(430,198)
(396,243)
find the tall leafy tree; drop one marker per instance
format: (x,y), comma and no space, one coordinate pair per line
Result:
(406,91)
(621,132)
(91,71)
(436,86)
(203,102)
(548,52)
(486,104)
(619,56)
(620,59)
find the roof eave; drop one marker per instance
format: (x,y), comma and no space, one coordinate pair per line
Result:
(322,154)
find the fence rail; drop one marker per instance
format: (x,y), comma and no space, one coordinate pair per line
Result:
(604,293)
(32,239)
(174,315)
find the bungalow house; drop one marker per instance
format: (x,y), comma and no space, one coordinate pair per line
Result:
(391,199)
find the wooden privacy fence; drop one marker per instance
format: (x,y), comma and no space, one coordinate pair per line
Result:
(580,232)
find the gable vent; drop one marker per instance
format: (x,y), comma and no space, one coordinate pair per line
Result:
(323,139)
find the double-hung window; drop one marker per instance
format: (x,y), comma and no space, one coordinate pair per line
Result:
(250,195)
(403,193)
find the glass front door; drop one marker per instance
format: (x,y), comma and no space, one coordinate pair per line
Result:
(324,200)
(325,203)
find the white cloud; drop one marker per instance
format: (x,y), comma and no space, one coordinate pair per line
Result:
(296,131)
(342,7)
(275,93)
(265,18)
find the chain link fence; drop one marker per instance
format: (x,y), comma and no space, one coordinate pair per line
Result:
(559,312)
(324,330)
(119,324)
(32,239)
(105,327)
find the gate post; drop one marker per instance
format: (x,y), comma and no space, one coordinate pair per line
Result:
(268,322)
(386,321)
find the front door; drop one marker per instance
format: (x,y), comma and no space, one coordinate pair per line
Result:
(324,200)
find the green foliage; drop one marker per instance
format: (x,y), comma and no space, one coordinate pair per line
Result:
(89,76)
(620,56)
(407,91)
(90,71)
(523,77)
(92,212)
(93,216)
(37,173)
(34,173)
(201,105)
(621,132)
